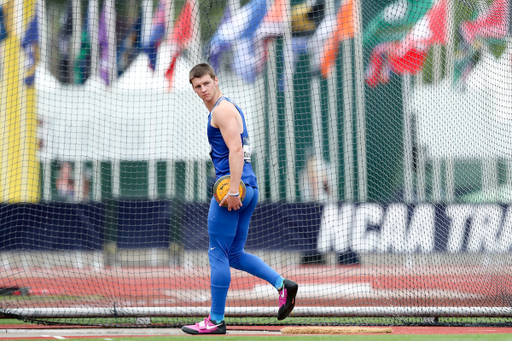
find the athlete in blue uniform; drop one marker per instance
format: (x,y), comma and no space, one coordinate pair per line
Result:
(228,226)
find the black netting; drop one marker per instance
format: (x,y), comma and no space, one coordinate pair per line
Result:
(380,134)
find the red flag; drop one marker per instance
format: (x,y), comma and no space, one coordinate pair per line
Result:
(429,30)
(182,36)
(493,23)
(379,66)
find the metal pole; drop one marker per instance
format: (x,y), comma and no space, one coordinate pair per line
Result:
(289,105)
(116,178)
(436,162)
(195,49)
(489,163)
(152,176)
(272,122)
(509,87)
(348,124)
(332,110)
(170,178)
(111,29)
(420,152)
(408,157)
(362,172)
(76,39)
(450,64)
(96,165)
(93,30)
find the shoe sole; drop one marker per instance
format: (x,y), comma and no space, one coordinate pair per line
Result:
(292,292)
(195,332)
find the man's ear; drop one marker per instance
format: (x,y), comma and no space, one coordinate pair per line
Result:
(216,81)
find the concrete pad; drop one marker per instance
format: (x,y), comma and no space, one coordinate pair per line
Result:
(10,334)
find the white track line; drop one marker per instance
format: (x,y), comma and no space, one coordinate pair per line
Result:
(55,337)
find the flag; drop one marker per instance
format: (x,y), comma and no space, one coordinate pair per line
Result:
(344,29)
(395,21)
(238,33)
(105,32)
(83,60)
(130,46)
(466,58)
(318,40)
(271,26)
(379,66)
(306,18)
(64,38)
(218,46)
(323,44)
(394,46)
(487,28)
(250,19)
(493,23)
(30,43)
(157,35)
(3,30)
(103,47)
(182,36)
(411,53)
(306,21)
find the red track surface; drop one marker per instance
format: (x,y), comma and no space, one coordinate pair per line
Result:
(392,286)
(135,282)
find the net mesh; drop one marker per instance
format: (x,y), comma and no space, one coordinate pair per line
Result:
(381,143)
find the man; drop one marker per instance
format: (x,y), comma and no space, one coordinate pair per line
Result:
(228,226)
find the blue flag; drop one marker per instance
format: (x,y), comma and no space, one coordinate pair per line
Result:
(30,44)
(157,35)
(217,45)
(3,30)
(130,46)
(65,32)
(237,32)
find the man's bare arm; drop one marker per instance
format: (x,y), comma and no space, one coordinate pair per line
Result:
(225,117)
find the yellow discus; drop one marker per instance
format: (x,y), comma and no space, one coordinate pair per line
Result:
(221,188)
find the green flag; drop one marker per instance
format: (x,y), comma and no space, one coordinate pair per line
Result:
(83,60)
(395,20)
(487,28)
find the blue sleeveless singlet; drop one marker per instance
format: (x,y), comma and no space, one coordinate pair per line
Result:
(219,152)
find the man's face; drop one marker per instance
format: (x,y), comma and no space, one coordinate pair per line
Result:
(205,87)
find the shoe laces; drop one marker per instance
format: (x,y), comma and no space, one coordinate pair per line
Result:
(203,324)
(283,294)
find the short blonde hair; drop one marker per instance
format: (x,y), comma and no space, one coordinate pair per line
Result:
(200,70)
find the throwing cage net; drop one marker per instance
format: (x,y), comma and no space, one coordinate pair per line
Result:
(381,142)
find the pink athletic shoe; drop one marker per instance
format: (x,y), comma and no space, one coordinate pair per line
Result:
(287,298)
(206,327)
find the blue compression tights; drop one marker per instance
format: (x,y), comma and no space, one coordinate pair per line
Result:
(228,234)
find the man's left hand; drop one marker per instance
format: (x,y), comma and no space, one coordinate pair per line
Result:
(233,202)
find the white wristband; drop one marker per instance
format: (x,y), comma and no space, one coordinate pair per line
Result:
(234,194)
